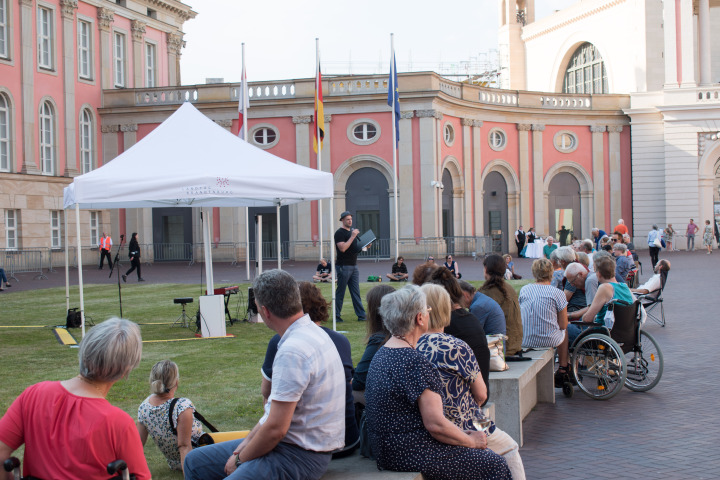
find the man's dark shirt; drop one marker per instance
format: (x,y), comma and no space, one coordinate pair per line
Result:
(349,256)
(324,269)
(399,268)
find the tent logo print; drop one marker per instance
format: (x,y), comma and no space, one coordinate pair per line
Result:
(223,182)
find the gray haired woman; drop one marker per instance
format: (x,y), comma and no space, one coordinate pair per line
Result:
(69,429)
(406,425)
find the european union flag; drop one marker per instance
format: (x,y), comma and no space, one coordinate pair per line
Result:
(394,97)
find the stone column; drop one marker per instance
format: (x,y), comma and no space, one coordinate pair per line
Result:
(105,20)
(615,172)
(670,50)
(477,184)
(405,176)
(428,172)
(175,43)
(586,214)
(513,207)
(67,8)
(27,42)
(302,227)
(467,220)
(598,162)
(524,196)
(540,195)
(129,135)
(138,33)
(687,24)
(458,194)
(704,43)
(109,142)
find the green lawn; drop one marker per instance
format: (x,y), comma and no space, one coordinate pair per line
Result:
(221,376)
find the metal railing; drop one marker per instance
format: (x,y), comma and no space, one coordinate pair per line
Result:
(22,261)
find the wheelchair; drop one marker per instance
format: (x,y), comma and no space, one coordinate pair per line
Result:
(603,360)
(118,467)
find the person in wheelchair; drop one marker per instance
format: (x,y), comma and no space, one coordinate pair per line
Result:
(69,429)
(655,282)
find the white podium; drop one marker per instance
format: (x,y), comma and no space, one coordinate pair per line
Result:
(212,315)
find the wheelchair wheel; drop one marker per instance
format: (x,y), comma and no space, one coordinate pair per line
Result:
(599,366)
(644,364)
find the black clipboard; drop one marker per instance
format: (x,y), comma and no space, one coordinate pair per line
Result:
(366,239)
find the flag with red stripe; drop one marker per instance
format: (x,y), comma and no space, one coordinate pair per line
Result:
(319,120)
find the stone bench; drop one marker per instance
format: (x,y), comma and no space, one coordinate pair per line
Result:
(357,467)
(516,391)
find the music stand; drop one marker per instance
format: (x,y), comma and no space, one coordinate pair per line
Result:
(184,319)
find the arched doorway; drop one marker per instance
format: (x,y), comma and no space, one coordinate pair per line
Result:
(367,199)
(564,208)
(448,212)
(495,200)
(716,191)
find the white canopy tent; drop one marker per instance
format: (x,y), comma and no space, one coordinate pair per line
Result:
(190,161)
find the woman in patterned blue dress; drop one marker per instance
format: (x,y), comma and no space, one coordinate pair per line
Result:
(406,425)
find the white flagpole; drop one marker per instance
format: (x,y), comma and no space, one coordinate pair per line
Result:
(318,85)
(332,267)
(393,75)
(245,99)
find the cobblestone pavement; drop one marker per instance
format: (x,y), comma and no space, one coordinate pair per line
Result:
(670,432)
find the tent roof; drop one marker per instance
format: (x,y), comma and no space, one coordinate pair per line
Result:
(189,160)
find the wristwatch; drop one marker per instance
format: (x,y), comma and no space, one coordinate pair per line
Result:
(238,462)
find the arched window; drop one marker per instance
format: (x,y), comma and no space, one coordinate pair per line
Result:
(5,160)
(586,72)
(87,141)
(47,138)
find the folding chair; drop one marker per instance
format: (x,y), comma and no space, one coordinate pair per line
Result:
(653,302)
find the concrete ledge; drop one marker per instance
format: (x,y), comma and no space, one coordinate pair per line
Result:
(357,467)
(516,391)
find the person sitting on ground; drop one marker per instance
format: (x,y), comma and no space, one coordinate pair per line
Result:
(452,265)
(324,271)
(3,279)
(305,414)
(431,259)
(655,282)
(544,315)
(154,416)
(464,388)
(609,289)
(623,263)
(548,249)
(69,429)
(499,290)
(377,336)
(399,271)
(510,268)
(315,305)
(423,272)
(407,429)
(484,308)
(575,275)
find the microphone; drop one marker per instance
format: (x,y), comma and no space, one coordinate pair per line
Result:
(122,237)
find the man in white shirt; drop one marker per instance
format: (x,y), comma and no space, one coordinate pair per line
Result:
(654,283)
(304,417)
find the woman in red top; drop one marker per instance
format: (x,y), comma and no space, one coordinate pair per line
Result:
(69,429)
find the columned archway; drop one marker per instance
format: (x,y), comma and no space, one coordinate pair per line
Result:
(512,189)
(709,179)
(584,194)
(452,199)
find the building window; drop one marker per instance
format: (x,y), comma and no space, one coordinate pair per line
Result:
(4,133)
(497,139)
(4,36)
(85,63)
(47,138)
(46,38)
(363,131)
(56,225)
(87,141)
(586,72)
(265,136)
(150,65)
(12,230)
(449,134)
(94,229)
(565,141)
(119,59)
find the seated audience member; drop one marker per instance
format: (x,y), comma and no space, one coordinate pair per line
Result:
(575,276)
(583,259)
(587,246)
(3,279)
(305,415)
(407,429)
(399,271)
(324,271)
(598,235)
(654,283)
(623,263)
(499,290)
(631,247)
(431,259)
(609,289)
(510,268)
(423,272)
(463,324)
(551,245)
(154,413)
(464,388)
(452,265)
(69,429)
(315,305)
(377,336)
(565,256)
(484,308)
(591,283)
(556,276)
(544,314)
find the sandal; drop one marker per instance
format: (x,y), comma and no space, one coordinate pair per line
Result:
(562,375)
(7,285)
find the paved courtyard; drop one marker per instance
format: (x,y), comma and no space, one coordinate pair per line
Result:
(670,432)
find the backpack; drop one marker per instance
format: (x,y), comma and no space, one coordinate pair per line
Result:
(74,318)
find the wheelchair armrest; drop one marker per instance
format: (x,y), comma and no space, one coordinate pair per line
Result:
(580,322)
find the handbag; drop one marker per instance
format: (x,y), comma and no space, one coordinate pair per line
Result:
(205,439)
(496,344)
(658,243)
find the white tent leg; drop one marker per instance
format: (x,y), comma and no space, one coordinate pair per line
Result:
(247,240)
(279,250)
(208,251)
(332,263)
(67,267)
(258,243)
(80,277)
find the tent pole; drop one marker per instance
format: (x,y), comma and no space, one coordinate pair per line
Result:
(258,250)
(247,242)
(332,262)
(67,267)
(279,250)
(208,253)
(80,277)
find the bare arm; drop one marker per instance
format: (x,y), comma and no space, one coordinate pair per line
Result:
(265,388)
(442,429)
(270,433)
(577,314)
(568,294)
(603,295)
(479,390)
(5,453)
(562,318)
(184,434)
(143,432)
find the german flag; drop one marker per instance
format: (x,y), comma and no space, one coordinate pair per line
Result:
(319,119)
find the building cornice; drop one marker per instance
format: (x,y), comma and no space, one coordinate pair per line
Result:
(571,18)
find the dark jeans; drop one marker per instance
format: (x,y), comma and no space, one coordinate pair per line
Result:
(135,263)
(349,276)
(654,251)
(520,246)
(103,255)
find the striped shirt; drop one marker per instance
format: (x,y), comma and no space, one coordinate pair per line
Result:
(539,308)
